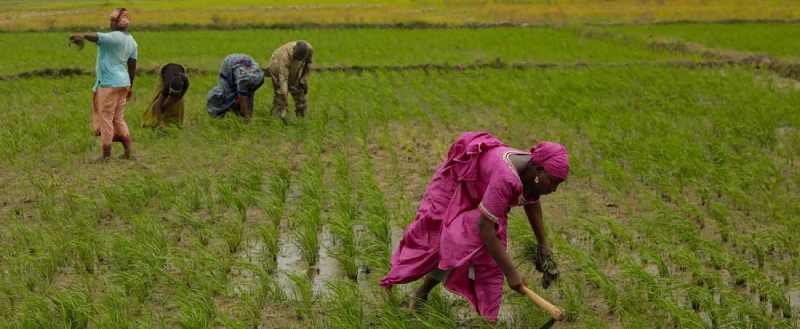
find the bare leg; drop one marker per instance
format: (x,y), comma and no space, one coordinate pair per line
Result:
(126,143)
(421,294)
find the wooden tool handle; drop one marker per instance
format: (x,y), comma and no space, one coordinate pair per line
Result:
(554,311)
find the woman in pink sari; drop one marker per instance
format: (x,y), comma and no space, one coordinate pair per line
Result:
(459,234)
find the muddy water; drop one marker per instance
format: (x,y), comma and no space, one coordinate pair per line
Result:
(290,261)
(242,278)
(396,233)
(363,276)
(707,319)
(328,268)
(506,315)
(289,258)
(794,300)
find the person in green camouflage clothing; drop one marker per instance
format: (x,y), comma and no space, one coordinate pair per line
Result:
(289,68)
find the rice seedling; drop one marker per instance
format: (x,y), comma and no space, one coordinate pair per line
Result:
(74,308)
(196,310)
(305,300)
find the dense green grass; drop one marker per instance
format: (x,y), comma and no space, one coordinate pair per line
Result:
(205,49)
(680,210)
(777,40)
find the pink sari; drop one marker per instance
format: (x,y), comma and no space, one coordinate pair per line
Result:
(476,178)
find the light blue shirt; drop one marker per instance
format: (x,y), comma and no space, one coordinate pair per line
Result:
(113,51)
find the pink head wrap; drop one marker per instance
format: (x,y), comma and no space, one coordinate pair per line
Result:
(553,157)
(122,17)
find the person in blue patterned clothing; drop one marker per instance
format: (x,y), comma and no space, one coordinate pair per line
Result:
(239,79)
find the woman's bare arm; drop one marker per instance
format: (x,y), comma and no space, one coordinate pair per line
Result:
(534,213)
(244,107)
(488,232)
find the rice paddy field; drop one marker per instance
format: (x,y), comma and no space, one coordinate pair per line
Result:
(205,49)
(682,209)
(776,40)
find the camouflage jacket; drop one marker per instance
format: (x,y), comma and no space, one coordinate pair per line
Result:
(289,73)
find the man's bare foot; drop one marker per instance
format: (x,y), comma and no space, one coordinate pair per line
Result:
(101,159)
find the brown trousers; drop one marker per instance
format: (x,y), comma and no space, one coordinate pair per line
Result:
(108,114)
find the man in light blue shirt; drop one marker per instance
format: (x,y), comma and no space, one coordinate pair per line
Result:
(115,71)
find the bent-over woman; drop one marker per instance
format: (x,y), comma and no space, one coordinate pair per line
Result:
(239,79)
(166,108)
(459,234)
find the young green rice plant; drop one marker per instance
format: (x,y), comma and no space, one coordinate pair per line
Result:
(85,251)
(228,198)
(37,256)
(308,238)
(779,301)
(196,309)
(278,188)
(200,227)
(595,277)
(309,210)
(200,271)
(269,233)
(231,232)
(115,310)
(640,285)
(134,195)
(139,258)
(436,312)
(344,306)
(193,194)
(34,311)
(602,243)
(74,308)
(47,206)
(343,217)
(208,191)
(681,316)
(375,214)
(267,290)
(308,225)
(81,232)
(347,251)
(304,307)
(250,305)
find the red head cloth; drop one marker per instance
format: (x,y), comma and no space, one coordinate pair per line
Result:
(553,157)
(122,17)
